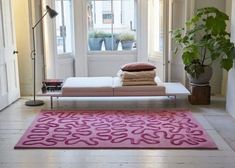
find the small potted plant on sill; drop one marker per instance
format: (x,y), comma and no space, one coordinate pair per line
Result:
(203,41)
(111,41)
(95,40)
(127,40)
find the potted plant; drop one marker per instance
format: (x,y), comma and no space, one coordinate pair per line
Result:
(111,41)
(127,40)
(204,40)
(95,40)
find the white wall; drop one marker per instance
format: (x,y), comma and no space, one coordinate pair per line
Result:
(225,73)
(107,64)
(220,4)
(230,105)
(217,78)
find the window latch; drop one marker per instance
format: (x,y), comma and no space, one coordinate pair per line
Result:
(62,31)
(131,26)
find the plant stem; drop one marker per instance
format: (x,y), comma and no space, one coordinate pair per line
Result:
(201,53)
(204,56)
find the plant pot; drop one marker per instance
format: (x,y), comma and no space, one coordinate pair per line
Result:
(203,78)
(95,44)
(127,45)
(108,41)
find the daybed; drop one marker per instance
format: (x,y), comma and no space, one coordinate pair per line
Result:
(112,86)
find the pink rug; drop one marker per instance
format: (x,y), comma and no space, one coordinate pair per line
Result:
(115,129)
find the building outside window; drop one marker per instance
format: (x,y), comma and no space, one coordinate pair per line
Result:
(107,17)
(111,25)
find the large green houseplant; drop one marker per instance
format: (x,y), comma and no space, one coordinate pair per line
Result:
(205,40)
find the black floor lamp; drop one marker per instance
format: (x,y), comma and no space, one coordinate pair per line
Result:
(52,13)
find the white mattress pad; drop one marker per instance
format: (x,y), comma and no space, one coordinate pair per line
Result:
(88,86)
(108,86)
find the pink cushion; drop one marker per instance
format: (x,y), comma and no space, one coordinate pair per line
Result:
(138,66)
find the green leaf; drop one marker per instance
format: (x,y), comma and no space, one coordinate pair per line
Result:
(214,55)
(187,59)
(190,53)
(222,15)
(215,24)
(193,20)
(227,64)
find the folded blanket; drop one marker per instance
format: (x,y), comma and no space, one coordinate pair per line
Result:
(137,79)
(136,75)
(139,83)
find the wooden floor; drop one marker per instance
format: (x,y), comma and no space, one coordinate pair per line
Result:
(15,119)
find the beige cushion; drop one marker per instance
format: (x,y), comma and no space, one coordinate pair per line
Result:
(147,90)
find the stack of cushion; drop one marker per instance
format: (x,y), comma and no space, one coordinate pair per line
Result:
(138,73)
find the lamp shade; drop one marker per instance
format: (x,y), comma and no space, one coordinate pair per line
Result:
(52,13)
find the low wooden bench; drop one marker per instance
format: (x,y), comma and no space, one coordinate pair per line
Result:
(112,87)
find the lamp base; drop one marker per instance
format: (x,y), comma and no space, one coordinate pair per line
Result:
(34,103)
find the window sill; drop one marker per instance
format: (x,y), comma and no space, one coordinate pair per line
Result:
(130,52)
(65,56)
(127,56)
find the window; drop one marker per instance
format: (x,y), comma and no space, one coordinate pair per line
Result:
(111,25)
(63,26)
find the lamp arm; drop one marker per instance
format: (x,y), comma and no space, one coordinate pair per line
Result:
(39,20)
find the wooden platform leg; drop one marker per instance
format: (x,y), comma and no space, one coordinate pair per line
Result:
(172,98)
